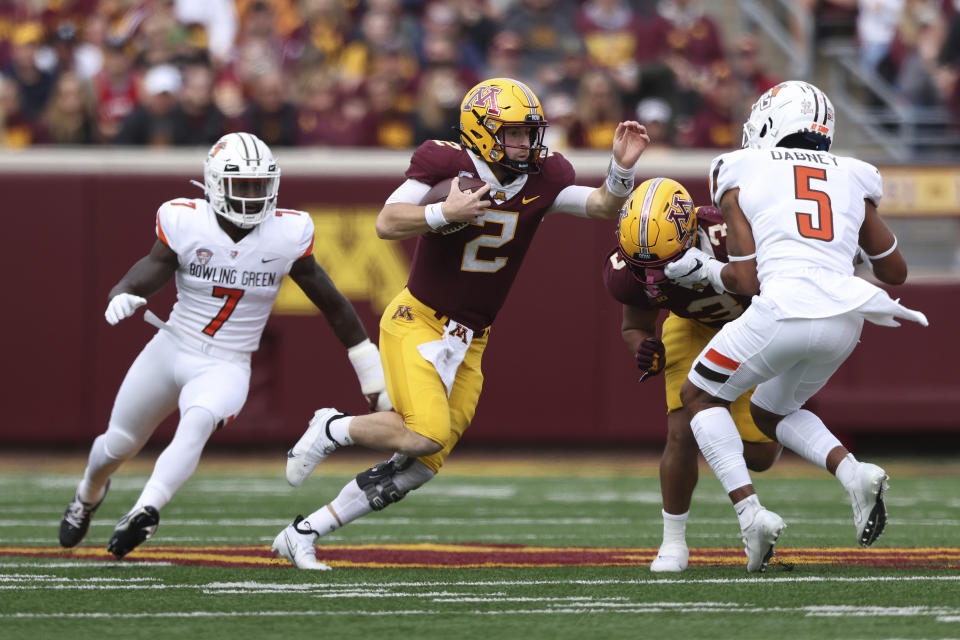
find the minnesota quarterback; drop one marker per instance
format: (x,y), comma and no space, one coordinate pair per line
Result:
(434,332)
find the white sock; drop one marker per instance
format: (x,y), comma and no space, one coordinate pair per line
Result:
(675,527)
(179,460)
(847,470)
(351,503)
(340,430)
(747,509)
(804,433)
(720,443)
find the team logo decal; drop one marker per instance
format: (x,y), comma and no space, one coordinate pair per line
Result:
(403,312)
(204,255)
(234,253)
(679,214)
(220,146)
(806,107)
(485,97)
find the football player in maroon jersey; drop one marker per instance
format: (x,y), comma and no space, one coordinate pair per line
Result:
(433,334)
(657,225)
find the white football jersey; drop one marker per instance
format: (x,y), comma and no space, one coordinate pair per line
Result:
(225,290)
(805,209)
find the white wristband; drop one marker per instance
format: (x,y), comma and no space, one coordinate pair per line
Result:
(713,269)
(365,358)
(885,253)
(619,180)
(434,215)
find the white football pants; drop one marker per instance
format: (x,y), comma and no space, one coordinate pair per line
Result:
(788,359)
(167,375)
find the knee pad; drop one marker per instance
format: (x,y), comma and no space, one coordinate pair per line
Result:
(118,444)
(388,482)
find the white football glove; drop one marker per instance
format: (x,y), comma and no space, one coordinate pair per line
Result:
(122,306)
(695,269)
(365,358)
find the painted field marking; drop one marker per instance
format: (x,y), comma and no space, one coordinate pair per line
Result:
(464,555)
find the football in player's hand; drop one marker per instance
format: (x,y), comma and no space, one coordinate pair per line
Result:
(439,193)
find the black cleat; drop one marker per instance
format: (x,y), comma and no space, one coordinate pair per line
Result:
(76,519)
(133,528)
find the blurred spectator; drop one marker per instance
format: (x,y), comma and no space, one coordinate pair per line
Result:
(544,27)
(219,20)
(70,116)
(153,122)
(441,19)
(198,121)
(566,75)
(685,31)
(505,57)
(439,94)
(270,38)
(17,128)
(379,38)
(156,38)
(270,115)
(328,28)
(718,123)
(386,124)
(67,53)
(560,110)
(320,121)
(478,25)
(655,114)
(598,112)
(876,26)
(613,37)
(920,35)
(748,67)
(34,84)
(115,88)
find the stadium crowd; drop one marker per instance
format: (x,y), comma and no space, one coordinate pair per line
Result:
(391,73)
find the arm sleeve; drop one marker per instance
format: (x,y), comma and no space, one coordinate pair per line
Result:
(572,199)
(410,192)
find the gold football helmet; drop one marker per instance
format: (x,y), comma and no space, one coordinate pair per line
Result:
(494,105)
(657,224)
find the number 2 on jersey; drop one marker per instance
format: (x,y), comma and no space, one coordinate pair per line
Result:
(232,297)
(820,228)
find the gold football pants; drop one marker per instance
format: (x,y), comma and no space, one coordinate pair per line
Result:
(683,340)
(415,388)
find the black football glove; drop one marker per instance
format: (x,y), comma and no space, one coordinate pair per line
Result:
(650,357)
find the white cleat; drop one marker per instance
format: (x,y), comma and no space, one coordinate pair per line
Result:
(759,537)
(295,543)
(671,558)
(313,446)
(866,496)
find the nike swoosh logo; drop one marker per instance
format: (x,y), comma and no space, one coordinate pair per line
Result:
(528,200)
(265,260)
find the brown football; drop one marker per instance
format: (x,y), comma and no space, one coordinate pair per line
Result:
(439,193)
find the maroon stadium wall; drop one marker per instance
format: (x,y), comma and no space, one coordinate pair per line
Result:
(556,370)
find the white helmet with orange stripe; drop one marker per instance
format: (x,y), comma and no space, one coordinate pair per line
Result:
(792,108)
(241,179)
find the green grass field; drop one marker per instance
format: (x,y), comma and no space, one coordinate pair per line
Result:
(545,547)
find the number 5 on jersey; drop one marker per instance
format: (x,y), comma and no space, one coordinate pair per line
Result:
(820,228)
(232,297)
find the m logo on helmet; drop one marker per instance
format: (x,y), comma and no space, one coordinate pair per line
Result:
(485,97)
(679,214)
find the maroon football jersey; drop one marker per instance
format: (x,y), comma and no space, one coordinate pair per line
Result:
(466,275)
(706,306)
